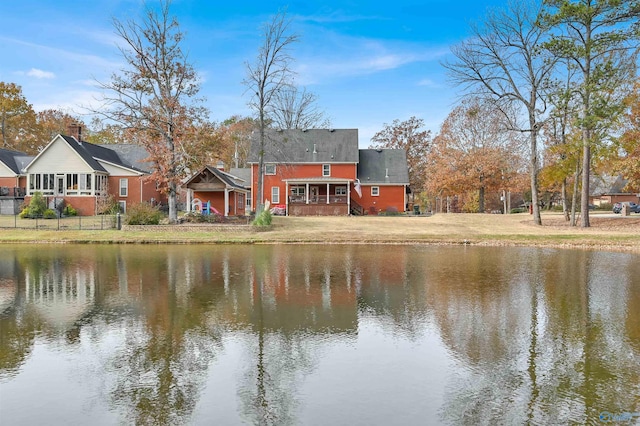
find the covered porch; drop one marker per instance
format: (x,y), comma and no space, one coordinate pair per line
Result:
(318,196)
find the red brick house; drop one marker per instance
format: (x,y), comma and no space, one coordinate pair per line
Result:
(316,172)
(80,173)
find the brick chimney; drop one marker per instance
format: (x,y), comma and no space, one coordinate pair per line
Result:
(75,130)
(220,165)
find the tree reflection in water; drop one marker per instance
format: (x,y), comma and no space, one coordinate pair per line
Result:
(534,336)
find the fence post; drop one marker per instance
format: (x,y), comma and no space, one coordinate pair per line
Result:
(118,223)
(58,222)
(79,223)
(15,220)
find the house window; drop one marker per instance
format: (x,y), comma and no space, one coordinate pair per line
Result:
(297,190)
(72,182)
(124,187)
(341,190)
(240,201)
(375,191)
(123,206)
(275,195)
(269,169)
(326,170)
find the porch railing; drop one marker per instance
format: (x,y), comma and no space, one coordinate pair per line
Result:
(15,192)
(318,199)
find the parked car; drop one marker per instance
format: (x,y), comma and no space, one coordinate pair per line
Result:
(633,207)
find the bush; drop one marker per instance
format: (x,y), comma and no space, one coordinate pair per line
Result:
(108,205)
(518,210)
(263,219)
(49,214)
(69,211)
(391,211)
(36,208)
(197,217)
(143,214)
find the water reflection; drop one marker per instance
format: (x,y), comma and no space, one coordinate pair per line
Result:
(455,335)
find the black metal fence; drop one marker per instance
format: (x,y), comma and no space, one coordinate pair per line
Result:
(75,223)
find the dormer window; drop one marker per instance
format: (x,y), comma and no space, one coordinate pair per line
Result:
(326,170)
(269,169)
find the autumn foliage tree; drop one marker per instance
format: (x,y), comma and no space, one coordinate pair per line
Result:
(473,153)
(410,136)
(154,98)
(628,164)
(18,124)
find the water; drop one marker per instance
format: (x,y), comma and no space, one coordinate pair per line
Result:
(317,335)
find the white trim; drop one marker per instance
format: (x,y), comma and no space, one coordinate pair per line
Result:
(274,194)
(378,190)
(126,187)
(328,174)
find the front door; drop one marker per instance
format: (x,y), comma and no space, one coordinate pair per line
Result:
(60,185)
(313,194)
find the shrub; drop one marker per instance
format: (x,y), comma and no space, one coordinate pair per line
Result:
(69,210)
(263,219)
(49,214)
(36,208)
(197,217)
(108,205)
(518,210)
(391,211)
(143,214)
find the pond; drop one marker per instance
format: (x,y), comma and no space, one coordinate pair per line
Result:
(317,334)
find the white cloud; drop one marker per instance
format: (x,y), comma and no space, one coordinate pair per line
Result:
(35,72)
(428,83)
(341,56)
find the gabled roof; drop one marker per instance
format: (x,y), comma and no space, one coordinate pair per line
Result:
(383,166)
(307,146)
(120,155)
(83,152)
(607,185)
(15,160)
(132,156)
(229,180)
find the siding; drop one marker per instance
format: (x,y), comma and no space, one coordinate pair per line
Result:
(6,172)
(59,158)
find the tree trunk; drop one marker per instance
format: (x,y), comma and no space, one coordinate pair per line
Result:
(574,198)
(481,200)
(586,168)
(173,204)
(533,166)
(565,202)
(260,195)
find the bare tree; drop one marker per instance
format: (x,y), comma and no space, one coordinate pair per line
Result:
(501,60)
(296,109)
(267,77)
(154,97)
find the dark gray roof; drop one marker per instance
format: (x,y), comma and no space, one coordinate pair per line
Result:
(307,146)
(81,149)
(244,174)
(130,155)
(224,177)
(603,185)
(382,166)
(9,157)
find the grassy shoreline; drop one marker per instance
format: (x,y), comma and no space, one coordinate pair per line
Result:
(606,233)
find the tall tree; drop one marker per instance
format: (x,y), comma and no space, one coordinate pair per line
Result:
(268,76)
(154,98)
(234,139)
(473,152)
(501,60)
(409,136)
(594,35)
(629,143)
(18,123)
(53,122)
(295,108)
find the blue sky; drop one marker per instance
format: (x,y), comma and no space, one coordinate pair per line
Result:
(369,62)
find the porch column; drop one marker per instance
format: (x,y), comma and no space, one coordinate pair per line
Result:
(307,193)
(226,202)
(348,198)
(286,198)
(327,192)
(189,201)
